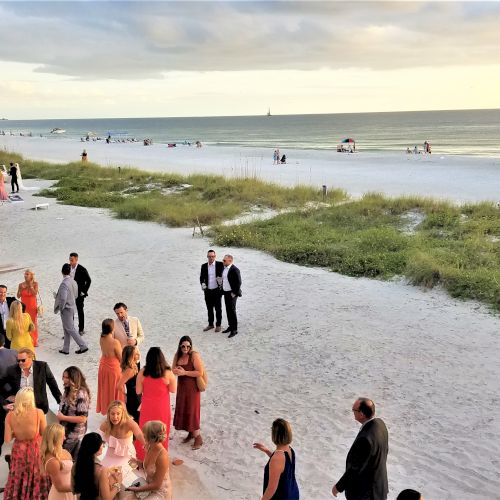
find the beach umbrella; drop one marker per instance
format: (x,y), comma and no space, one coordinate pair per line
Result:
(349,140)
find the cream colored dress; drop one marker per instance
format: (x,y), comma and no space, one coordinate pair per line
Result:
(66,465)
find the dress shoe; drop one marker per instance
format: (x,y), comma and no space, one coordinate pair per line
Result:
(208,327)
(227,330)
(62,352)
(82,332)
(218,328)
(188,438)
(232,334)
(197,442)
(81,351)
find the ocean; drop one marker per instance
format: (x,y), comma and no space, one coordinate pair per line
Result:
(469,132)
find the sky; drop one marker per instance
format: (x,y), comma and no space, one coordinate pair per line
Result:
(141,59)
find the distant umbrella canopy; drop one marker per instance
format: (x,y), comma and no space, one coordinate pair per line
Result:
(347,141)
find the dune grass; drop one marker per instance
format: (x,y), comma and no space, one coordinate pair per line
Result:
(166,198)
(429,242)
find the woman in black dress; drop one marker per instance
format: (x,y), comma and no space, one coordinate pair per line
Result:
(130,369)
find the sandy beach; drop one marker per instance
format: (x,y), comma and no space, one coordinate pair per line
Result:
(458,178)
(310,342)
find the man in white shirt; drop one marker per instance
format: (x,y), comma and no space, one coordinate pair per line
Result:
(128,329)
(5,303)
(210,281)
(231,288)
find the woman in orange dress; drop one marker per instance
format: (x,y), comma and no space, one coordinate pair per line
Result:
(3,194)
(27,292)
(109,375)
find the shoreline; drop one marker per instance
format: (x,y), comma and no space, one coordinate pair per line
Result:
(456,178)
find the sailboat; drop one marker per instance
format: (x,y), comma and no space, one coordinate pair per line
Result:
(269,112)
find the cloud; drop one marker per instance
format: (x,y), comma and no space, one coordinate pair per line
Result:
(146,40)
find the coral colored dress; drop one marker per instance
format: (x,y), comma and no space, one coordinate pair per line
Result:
(18,339)
(3,194)
(187,402)
(107,383)
(29,300)
(155,406)
(25,481)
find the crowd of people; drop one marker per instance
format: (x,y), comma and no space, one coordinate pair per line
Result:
(63,459)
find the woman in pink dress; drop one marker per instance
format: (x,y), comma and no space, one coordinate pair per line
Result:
(155,382)
(27,292)
(3,194)
(109,369)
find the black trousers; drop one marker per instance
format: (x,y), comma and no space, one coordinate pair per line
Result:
(213,300)
(13,182)
(81,314)
(232,319)
(3,415)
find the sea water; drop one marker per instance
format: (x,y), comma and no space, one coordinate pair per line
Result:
(465,132)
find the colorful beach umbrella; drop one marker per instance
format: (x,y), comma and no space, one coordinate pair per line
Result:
(348,141)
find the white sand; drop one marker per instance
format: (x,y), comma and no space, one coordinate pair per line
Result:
(310,341)
(458,178)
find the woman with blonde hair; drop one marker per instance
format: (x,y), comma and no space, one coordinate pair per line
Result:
(25,424)
(74,408)
(118,431)
(279,473)
(158,485)
(18,327)
(27,292)
(57,463)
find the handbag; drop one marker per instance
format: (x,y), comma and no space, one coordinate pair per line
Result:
(202,380)
(40,309)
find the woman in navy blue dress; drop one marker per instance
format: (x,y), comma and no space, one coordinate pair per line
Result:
(279,474)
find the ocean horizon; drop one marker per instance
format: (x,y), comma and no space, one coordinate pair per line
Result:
(461,132)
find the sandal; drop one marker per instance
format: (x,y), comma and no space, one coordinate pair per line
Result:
(197,442)
(188,438)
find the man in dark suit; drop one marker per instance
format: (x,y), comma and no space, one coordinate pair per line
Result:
(5,303)
(13,177)
(82,278)
(210,281)
(231,288)
(365,477)
(27,372)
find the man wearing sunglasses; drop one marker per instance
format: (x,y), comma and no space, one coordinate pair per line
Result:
(210,281)
(231,287)
(26,372)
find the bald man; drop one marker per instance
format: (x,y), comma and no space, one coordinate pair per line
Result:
(365,477)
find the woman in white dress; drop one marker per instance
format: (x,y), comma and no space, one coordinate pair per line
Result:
(20,180)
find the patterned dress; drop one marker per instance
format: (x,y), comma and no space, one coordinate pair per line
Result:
(25,481)
(73,433)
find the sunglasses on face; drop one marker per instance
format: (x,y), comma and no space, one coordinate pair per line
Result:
(22,360)
(185,346)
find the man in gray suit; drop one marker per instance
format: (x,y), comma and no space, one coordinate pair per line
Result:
(66,305)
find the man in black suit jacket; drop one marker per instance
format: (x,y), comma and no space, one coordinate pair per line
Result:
(210,281)
(5,303)
(365,477)
(26,371)
(82,278)
(231,287)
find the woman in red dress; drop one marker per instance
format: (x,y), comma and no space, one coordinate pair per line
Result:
(25,424)
(108,389)
(187,365)
(27,292)
(155,382)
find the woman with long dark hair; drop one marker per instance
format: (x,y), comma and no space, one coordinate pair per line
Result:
(187,365)
(109,368)
(155,382)
(74,408)
(90,479)
(128,380)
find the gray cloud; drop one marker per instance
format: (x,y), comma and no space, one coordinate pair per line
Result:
(136,40)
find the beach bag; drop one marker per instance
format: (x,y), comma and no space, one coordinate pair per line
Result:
(202,380)
(40,309)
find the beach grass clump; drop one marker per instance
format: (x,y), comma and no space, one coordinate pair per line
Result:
(455,247)
(166,198)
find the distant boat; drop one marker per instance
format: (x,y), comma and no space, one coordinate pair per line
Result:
(269,112)
(57,130)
